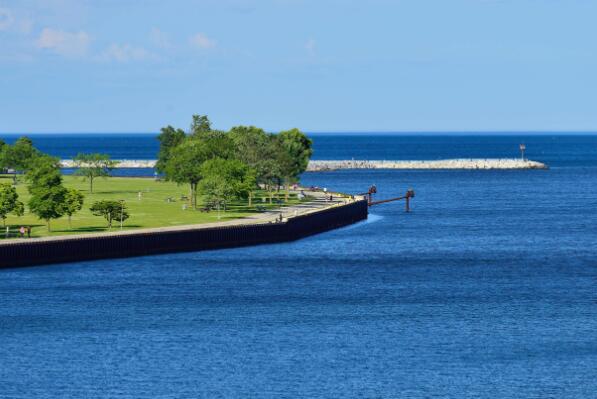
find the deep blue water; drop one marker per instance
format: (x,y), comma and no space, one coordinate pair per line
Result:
(488,289)
(555,149)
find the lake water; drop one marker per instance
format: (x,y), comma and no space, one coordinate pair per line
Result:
(488,289)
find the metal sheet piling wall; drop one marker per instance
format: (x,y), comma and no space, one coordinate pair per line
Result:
(82,248)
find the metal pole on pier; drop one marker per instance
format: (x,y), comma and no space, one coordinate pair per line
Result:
(409,194)
(522,148)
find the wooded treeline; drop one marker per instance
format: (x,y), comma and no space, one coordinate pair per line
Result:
(221,166)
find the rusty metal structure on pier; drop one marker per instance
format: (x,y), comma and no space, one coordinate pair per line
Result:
(410,193)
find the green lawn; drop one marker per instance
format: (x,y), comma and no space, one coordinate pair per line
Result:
(152,210)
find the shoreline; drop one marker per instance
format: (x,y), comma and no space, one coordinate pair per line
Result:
(317,204)
(331,165)
(186,238)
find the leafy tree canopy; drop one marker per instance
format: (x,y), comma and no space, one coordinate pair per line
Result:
(91,166)
(299,149)
(20,155)
(184,165)
(217,144)
(200,125)
(9,202)
(251,146)
(225,180)
(44,171)
(273,159)
(73,202)
(169,138)
(47,202)
(48,195)
(110,210)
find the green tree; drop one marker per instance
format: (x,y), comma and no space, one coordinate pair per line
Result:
(276,162)
(200,125)
(300,148)
(91,166)
(44,171)
(48,195)
(110,210)
(293,156)
(217,144)
(169,138)
(47,203)
(73,203)
(184,165)
(225,180)
(18,156)
(252,146)
(9,202)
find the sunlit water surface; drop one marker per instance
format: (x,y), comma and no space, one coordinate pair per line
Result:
(487,289)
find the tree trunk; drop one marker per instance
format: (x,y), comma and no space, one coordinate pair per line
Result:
(286,194)
(48,224)
(250,198)
(70,225)
(91,185)
(194,195)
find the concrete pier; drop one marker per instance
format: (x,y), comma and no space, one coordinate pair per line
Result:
(297,221)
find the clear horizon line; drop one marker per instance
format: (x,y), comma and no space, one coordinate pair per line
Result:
(356,132)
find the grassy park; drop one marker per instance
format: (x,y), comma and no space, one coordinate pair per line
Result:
(160,204)
(203,169)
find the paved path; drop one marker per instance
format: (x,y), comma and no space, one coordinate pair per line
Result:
(318,203)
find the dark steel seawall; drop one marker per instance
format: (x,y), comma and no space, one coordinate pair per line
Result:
(81,248)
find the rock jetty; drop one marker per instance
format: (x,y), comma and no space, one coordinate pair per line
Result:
(122,163)
(318,166)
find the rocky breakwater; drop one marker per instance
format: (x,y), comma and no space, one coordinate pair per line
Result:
(319,166)
(122,163)
(484,164)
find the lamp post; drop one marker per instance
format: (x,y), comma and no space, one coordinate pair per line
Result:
(121,212)
(522,148)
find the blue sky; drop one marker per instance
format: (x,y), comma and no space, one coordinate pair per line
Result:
(412,65)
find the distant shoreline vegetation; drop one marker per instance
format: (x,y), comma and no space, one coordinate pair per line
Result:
(220,168)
